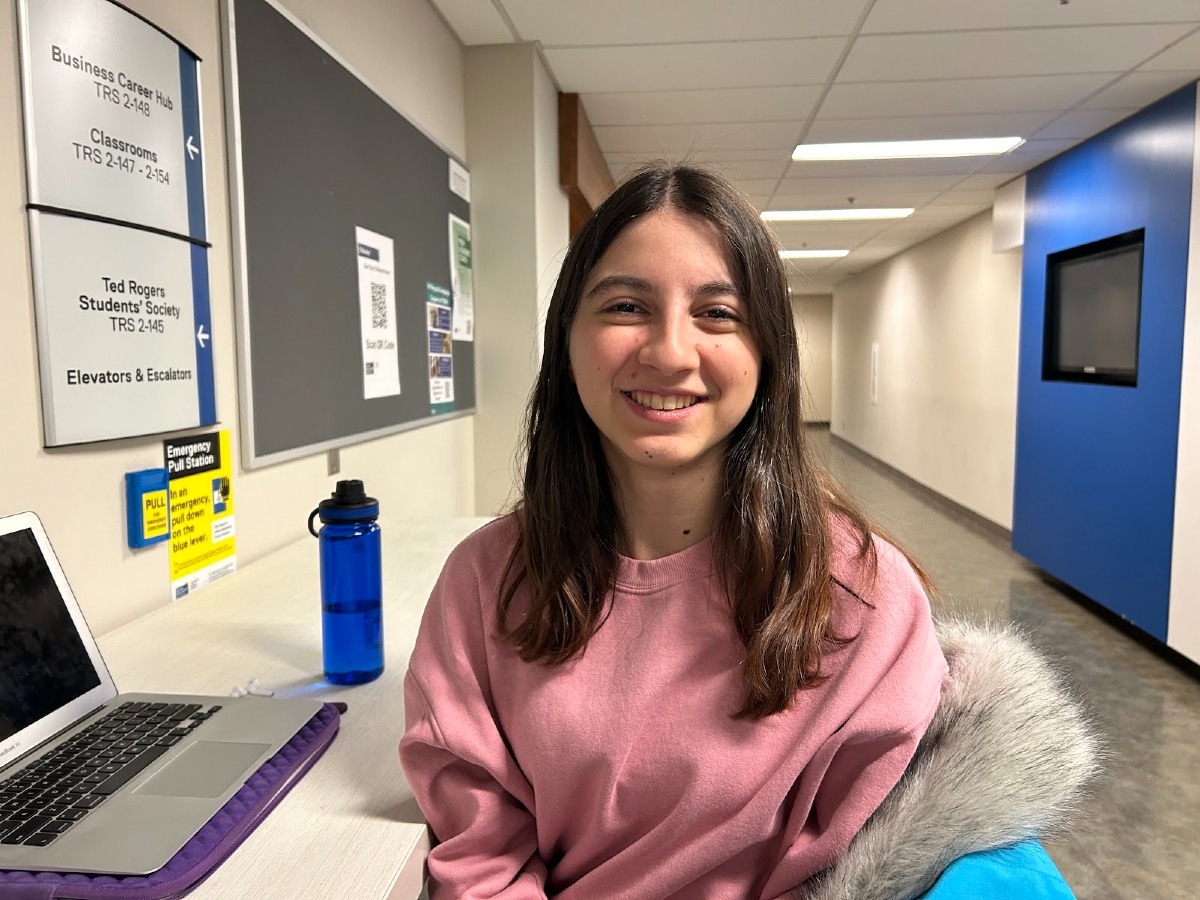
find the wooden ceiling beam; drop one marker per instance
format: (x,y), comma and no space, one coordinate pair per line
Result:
(582,171)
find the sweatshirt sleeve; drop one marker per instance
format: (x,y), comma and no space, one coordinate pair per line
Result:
(476,800)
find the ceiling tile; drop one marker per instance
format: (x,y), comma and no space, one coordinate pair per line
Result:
(919,127)
(706,157)
(627,163)
(960,96)
(862,187)
(870,199)
(1184,55)
(1082,123)
(756,187)
(826,235)
(556,22)
(955,15)
(1139,89)
(984,181)
(475,21)
(748,169)
(1027,156)
(686,139)
(680,107)
(984,54)
(668,67)
(959,197)
(864,168)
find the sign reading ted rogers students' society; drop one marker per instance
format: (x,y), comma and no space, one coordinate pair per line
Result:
(117,223)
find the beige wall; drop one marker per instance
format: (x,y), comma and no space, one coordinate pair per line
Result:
(945,314)
(407,52)
(814,328)
(519,224)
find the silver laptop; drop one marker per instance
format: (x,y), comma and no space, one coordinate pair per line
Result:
(92,780)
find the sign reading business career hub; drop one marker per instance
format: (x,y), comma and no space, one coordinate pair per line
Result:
(117,223)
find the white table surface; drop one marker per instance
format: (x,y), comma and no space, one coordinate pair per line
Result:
(350,828)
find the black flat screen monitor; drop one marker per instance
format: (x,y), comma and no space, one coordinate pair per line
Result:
(1093,311)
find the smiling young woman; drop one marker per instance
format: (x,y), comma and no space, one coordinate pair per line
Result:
(685,666)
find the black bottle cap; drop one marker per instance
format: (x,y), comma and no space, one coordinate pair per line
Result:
(348,503)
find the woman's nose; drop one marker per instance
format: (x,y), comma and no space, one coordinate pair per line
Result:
(670,345)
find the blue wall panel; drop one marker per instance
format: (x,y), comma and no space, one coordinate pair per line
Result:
(1095,467)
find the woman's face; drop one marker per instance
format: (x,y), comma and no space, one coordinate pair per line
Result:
(660,346)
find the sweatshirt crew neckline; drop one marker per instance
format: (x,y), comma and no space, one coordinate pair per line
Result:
(645,576)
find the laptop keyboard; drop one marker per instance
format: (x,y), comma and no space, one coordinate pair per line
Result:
(45,799)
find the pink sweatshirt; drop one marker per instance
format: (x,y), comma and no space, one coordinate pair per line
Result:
(621,774)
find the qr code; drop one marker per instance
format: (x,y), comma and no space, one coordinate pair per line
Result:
(379,316)
(371,368)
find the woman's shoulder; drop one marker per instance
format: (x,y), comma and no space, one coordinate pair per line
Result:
(874,581)
(486,545)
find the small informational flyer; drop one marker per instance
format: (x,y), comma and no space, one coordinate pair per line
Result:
(460,180)
(441,348)
(461,282)
(377,312)
(200,481)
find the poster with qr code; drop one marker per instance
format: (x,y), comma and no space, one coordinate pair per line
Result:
(377,314)
(441,348)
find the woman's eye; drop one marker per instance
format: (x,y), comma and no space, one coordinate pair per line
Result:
(721,314)
(622,306)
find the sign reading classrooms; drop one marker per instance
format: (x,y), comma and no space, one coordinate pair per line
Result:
(117,223)
(200,479)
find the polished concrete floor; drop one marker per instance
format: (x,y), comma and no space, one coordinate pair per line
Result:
(1138,835)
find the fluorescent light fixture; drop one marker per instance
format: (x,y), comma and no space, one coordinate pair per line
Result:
(813,254)
(907,149)
(833,215)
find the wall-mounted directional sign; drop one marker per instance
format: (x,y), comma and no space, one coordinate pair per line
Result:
(116,223)
(112,115)
(124,331)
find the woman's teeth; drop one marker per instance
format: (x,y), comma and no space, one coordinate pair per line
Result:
(658,401)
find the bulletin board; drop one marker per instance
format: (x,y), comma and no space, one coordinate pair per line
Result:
(327,179)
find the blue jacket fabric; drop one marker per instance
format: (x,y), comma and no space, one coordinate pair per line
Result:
(1020,872)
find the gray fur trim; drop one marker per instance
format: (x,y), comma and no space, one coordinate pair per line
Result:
(1006,757)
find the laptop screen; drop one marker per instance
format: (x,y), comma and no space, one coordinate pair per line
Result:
(43,663)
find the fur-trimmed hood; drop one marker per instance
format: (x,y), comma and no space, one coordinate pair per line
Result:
(1006,757)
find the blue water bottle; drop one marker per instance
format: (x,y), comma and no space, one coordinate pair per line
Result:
(351,584)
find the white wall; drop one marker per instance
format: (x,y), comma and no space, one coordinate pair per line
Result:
(945,314)
(519,225)
(814,327)
(1183,619)
(408,53)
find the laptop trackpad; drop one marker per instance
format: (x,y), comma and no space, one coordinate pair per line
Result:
(205,769)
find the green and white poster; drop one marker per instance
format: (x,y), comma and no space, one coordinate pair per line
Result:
(460,280)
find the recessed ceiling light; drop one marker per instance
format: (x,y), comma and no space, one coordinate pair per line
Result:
(907,149)
(813,254)
(833,215)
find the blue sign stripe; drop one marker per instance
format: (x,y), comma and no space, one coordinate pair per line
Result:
(202,320)
(193,161)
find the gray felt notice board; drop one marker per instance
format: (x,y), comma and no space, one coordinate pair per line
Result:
(314,154)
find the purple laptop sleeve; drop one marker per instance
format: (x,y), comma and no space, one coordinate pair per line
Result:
(209,846)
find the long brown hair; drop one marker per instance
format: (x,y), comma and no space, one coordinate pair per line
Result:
(772,540)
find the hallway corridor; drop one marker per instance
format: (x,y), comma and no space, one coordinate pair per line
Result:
(1136,837)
